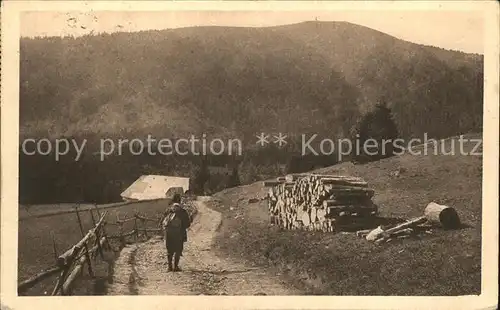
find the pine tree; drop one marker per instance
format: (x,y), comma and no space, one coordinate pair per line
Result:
(234,179)
(378,125)
(202,177)
(292,165)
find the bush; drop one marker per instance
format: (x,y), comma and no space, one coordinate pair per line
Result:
(376,125)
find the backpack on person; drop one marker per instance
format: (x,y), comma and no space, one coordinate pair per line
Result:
(172,222)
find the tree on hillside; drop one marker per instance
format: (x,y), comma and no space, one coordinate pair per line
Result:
(249,168)
(377,125)
(234,178)
(292,165)
(201,178)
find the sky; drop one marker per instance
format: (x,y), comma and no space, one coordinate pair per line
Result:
(456,30)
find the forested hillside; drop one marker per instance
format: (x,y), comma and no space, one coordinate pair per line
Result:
(308,77)
(312,77)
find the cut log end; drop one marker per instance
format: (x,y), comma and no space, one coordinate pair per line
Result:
(449,219)
(446,217)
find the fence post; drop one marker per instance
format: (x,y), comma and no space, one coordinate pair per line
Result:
(58,283)
(136,228)
(120,230)
(92,217)
(103,227)
(97,237)
(62,278)
(87,256)
(54,247)
(144,224)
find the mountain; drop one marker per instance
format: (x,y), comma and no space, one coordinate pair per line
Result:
(311,77)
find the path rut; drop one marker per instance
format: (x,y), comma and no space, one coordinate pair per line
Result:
(141,268)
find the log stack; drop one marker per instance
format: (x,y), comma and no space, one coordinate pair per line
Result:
(318,202)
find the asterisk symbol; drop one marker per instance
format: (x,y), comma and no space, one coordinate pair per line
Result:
(262,139)
(280,139)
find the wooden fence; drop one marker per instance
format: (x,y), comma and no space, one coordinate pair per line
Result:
(70,265)
(137,230)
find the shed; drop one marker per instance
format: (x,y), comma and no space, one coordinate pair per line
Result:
(149,187)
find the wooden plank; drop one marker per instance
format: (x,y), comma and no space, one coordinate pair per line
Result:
(295,176)
(142,217)
(337,182)
(270,183)
(350,195)
(386,234)
(125,220)
(151,229)
(359,209)
(29,283)
(410,223)
(350,190)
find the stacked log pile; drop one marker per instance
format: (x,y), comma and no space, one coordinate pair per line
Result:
(318,202)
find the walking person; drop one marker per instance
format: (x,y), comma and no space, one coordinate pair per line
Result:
(175,224)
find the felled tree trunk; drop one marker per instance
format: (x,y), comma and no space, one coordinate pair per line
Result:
(441,215)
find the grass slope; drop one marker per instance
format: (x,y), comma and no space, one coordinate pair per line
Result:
(442,263)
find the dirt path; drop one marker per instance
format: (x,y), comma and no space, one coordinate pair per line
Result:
(141,268)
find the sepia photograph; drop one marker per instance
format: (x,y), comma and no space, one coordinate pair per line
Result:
(250,151)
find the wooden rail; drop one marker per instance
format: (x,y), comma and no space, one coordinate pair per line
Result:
(29,283)
(67,256)
(138,230)
(87,208)
(71,263)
